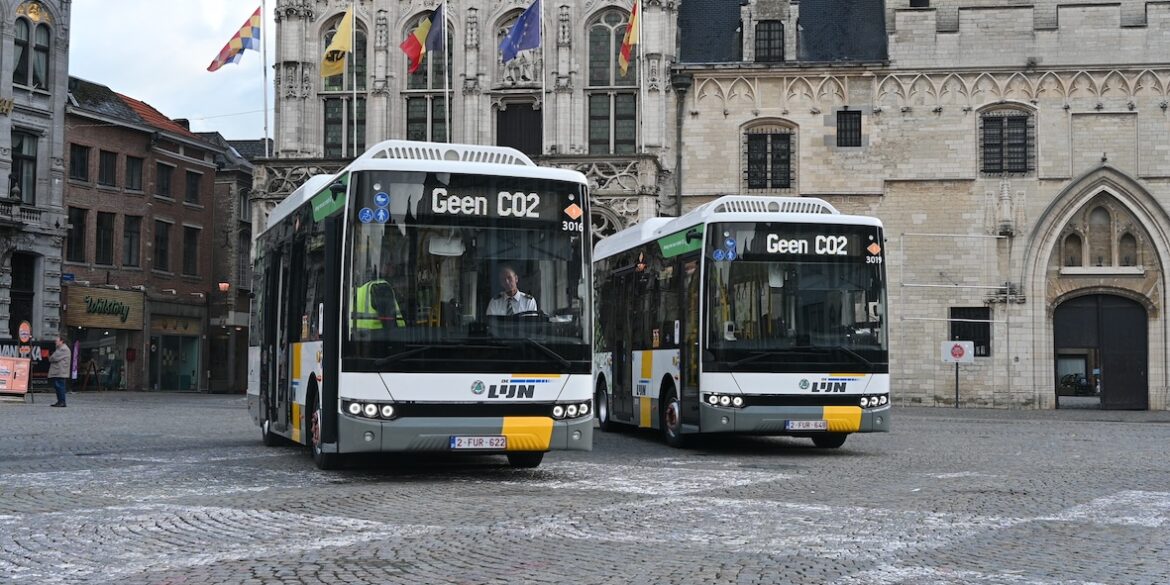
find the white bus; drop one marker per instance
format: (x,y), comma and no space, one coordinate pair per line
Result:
(753,315)
(428,297)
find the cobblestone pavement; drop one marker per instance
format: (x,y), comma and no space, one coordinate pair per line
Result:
(147,488)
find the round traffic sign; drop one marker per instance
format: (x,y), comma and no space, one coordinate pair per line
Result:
(957,351)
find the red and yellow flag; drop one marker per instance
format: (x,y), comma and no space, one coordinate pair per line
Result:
(427,35)
(631,37)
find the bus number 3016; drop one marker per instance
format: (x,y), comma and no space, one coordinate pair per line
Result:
(572,226)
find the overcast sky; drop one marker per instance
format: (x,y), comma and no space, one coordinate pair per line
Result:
(158,51)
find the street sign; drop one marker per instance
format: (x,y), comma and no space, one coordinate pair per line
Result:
(958,352)
(67,277)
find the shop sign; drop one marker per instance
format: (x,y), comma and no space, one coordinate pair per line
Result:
(99,307)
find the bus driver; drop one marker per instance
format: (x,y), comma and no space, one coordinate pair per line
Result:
(511,301)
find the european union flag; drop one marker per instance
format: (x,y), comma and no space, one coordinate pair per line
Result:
(525,34)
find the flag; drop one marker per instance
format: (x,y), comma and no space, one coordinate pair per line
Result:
(631,38)
(426,36)
(333,63)
(525,34)
(248,37)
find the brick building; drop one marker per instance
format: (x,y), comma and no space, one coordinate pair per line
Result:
(1019,156)
(138,278)
(33,89)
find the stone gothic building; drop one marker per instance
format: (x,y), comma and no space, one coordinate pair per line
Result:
(1019,156)
(566,104)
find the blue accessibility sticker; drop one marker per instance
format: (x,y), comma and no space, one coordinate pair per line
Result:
(718,254)
(730,243)
(731,255)
(381,215)
(381,199)
(366,215)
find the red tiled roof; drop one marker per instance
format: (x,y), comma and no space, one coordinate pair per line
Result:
(156,118)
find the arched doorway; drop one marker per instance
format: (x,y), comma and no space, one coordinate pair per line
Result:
(1101,345)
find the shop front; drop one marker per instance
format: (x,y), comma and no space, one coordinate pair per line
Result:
(104,328)
(176,350)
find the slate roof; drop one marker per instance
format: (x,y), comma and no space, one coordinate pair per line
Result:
(101,100)
(707,31)
(251,149)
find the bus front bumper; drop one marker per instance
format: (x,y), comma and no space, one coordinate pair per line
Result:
(524,433)
(771,420)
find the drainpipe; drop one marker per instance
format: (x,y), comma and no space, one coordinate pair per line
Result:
(681,82)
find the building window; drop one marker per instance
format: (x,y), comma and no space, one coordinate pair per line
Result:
(244,213)
(75,240)
(193,182)
(768,156)
(133,173)
(355,62)
(104,244)
(131,240)
(1007,141)
(22,295)
(107,168)
(23,182)
(162,246)
(78,162)
(340,123)
(163,174)
(1100,237)
(612,102)
(1071,254)
(191,251)
(426,92)
(1127,250)
(31,67)
(849,128)
(769,41)
(972,324)
(919,3)
(244,261)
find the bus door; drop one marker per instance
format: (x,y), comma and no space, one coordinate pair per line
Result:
(623,389)
(690,326)
(281,384)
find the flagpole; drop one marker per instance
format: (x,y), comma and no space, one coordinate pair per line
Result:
(350,61)
(264,68)
(641,84)
(543,77)
(446,75)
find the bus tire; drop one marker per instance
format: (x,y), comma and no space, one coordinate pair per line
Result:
(601,409)
(323,460)
(525,460)
(670,418)
(269,438)
(829,440)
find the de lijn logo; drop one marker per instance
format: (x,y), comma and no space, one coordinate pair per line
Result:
(504,390)
(804,384)
(99,306)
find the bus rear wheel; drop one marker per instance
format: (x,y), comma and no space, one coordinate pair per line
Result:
(320,457)
(670,419)
(601,410)
(525,460)
(829,440)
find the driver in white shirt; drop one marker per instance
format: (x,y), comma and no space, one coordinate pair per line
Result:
(511,301)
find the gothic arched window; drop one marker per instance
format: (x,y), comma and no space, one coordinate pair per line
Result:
(611,95)
(31,59)
(1072,254)
(427,89)
(1127,250)
(1100,237)
(345,112)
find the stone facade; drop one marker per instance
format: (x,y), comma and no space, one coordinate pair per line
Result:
(1081,210)
(630,182)
(32,126)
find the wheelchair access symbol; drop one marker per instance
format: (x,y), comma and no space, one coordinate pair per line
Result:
(366,215)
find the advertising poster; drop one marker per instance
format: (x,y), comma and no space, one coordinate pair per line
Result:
(14,375)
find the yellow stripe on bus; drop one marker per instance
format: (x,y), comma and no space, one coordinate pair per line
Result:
(296,360)
(843,419)
(647,364)
(528,433)
(647,409)
(296,423)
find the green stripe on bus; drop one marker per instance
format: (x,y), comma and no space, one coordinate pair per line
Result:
(678,243)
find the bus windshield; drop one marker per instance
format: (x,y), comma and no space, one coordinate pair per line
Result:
(465,273)
(785,297)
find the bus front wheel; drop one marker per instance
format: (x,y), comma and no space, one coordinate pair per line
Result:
(320,457)
(525,460)
(829,440)
(670,419)
(601,410)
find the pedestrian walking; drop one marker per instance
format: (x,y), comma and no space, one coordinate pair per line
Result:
(59,364)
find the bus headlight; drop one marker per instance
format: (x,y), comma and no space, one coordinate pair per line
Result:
(864,402)
(724,400)
(571,410)
(558,411)
(583,409)
(713,399)
(884,399)
(355,408)
(371,410)
(387,411)
(737,401)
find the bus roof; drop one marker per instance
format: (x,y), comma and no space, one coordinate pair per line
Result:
(432,157)
(731,208)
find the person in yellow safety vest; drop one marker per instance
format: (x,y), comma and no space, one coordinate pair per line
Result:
(375,306)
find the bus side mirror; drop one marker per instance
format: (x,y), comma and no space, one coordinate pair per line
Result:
(693,234)
(337,188)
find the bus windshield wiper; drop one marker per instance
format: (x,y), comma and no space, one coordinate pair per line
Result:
(542,347)
(839,348)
